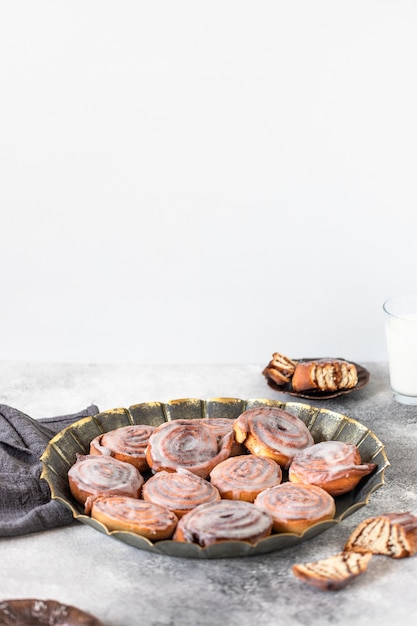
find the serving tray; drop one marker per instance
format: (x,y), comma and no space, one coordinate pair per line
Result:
(323,424)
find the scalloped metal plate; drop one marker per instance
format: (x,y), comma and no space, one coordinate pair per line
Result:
(324,424)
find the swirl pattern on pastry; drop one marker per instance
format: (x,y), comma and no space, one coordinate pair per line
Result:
(33,612)
(95,475)
(127,444)
(226,520)
(272,432)
(243,477)
(280,369)
(186,443)
(393,534)
(335,466)
(147,519)
(296,507)
(179,491)
(222,426)
(334,572)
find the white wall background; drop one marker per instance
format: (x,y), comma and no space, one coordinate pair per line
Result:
(192,181)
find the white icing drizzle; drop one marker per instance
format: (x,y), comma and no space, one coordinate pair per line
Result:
(245,473)
(180,490)
(290,502)
(129,440)
(330,459)
(189,444)
(278,430)
(225,520)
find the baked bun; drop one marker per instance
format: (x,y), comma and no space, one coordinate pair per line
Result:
(189,444)
(147,519)
(324,375)
(96,475)
(294,508)
(179,491)
(226,520)
(127,444)
(243,477)
(222,426)
(280,369)
(272,432)
(392,534)
(32,612)
(335,466)
(332,573)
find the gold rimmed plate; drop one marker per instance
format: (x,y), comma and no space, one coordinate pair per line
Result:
(324,424)
(363,379)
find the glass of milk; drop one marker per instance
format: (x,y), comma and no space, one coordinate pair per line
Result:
(401,332)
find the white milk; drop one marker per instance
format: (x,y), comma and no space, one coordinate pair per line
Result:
(401,333)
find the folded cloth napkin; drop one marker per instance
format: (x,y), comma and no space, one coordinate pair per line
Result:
(25,500)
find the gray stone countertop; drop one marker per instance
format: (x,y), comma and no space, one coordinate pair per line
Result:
(124,586)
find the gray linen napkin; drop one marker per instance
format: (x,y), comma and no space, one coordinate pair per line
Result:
(25,500)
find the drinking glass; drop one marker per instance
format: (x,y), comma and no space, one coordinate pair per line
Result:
(401,334)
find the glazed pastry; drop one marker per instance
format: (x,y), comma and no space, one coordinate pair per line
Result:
(243,477)
(32,612)
(127,444)
(189,444)
(324,375)
(272,432)
(392,534)
(334,572)
(294,508)
(280,369)
(335,466)
(149,520)
(222,426)
(94,475)
(179,491)
(226,520)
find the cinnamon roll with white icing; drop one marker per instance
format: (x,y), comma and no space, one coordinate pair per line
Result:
(127,444)
(226,520)
(147,519)
(222,426)
(243,477)
(335,466)
(179,491)
(272,432)
(189,444)
(94,475)
(295,507)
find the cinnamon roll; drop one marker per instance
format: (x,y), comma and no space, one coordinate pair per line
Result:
(226,520)
(243,477)
(294,508)
(127,444)
(33,612)
(186,443)
(179,491)
(147,519)
(335,466)
(222,426)
(272,432)
(94,475)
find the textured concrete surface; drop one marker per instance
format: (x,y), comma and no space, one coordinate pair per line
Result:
(124,586)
